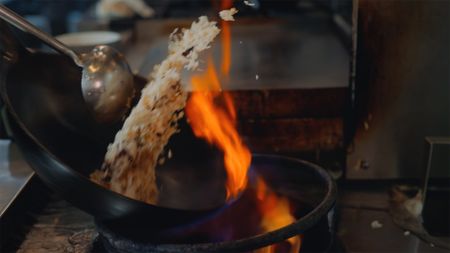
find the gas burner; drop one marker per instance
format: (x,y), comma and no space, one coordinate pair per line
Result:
(321,238)
(237,227)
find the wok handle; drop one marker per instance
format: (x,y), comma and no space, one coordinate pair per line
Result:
(22,24)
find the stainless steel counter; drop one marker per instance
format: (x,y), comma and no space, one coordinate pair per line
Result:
(14,173)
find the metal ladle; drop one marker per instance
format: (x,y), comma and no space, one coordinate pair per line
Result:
(106,83)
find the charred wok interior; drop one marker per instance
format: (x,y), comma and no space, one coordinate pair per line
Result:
(292,99)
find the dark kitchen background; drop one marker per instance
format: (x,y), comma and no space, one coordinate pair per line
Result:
(359,87)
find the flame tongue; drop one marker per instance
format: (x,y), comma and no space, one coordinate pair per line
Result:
(276,213)
(216,124)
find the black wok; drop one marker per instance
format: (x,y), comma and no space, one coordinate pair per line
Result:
(49,121)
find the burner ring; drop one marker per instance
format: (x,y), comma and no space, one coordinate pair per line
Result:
(117,243)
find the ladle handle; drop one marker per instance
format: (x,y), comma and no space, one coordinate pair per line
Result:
(19,22)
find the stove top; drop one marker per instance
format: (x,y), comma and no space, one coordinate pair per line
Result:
(60,227)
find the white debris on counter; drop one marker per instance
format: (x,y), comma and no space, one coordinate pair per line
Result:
(414,205)
(376,224)
(406,233)
(227,15)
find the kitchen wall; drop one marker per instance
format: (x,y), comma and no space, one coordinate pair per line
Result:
(402,86)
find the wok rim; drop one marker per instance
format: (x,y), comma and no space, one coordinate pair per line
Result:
(300,226)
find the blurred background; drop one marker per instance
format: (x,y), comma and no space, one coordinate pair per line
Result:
(61,16)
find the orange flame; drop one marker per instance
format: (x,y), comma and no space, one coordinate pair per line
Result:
(226,4)
(226,48)
(216,124)
(275,214)
(226,39)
